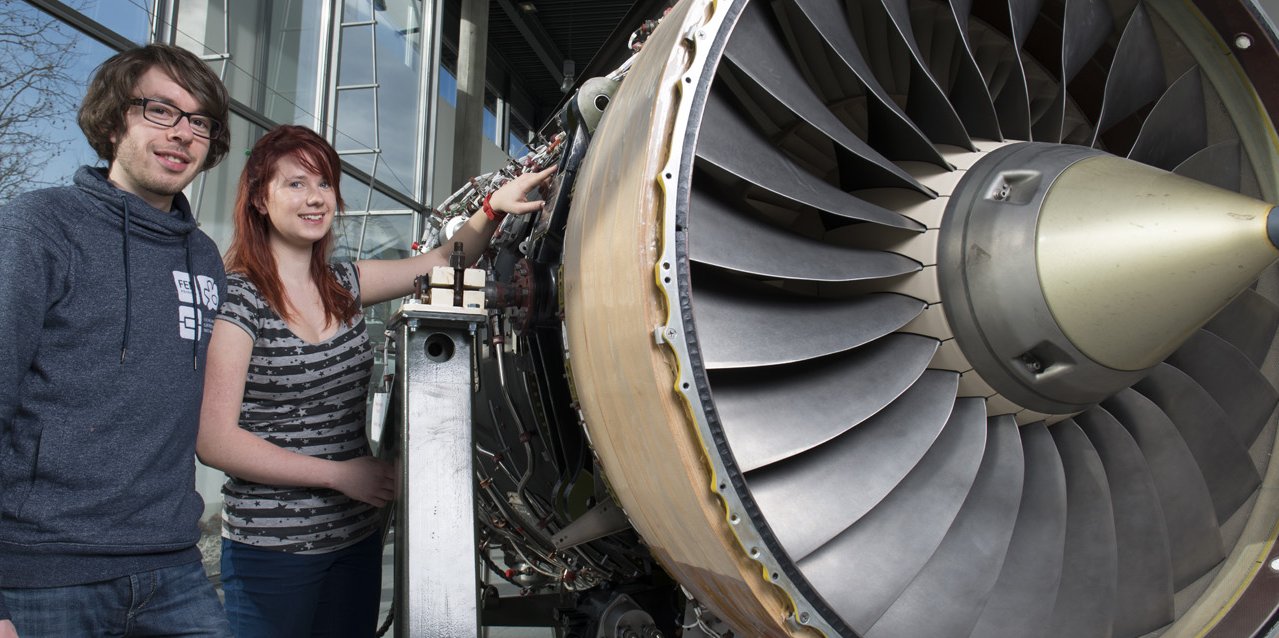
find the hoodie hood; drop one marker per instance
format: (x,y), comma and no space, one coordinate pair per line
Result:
(136,215)
(142,216)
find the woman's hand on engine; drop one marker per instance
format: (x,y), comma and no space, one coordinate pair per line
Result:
(512,197)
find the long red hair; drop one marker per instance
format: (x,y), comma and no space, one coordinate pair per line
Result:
(250,252)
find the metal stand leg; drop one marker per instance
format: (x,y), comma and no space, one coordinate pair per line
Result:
(436,576)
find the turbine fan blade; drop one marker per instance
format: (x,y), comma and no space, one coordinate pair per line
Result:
(926,103)
(889,127)
(866,567)
(1217,165)
(1136,74)
(737,241)
(1014,102)
(735,147)
(1022,15)
(1084,28)
(1221,458)
(1021,602)
(1176,128)
(968,91)
(1085,604)
(756,325)
(1087,25)
(838,392)
(1193,536)
(1231,379)
(875,456)
(757,50)
(947,596)
(1249,323)
(1143,586)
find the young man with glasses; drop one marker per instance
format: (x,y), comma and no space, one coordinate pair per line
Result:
(108,292)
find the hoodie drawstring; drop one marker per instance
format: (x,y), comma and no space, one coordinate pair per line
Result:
(198,303)
(197,300)
(128,290)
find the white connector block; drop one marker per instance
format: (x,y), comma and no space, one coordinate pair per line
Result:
(442,285)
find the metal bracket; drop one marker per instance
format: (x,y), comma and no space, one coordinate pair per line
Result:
(602,520)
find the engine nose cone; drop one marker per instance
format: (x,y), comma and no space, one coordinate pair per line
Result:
(1132,259)
(1067,272)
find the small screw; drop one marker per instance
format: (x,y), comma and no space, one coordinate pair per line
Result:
(1243,41)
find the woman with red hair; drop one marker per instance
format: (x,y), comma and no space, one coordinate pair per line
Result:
(287,376)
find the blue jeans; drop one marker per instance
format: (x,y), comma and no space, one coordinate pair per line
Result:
(272,594)
(173,601)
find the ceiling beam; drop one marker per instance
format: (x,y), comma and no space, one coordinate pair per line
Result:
(614,51)
(531,28)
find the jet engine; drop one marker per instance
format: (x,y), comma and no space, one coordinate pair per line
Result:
(898,318)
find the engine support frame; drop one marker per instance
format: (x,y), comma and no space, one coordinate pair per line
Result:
(436,572)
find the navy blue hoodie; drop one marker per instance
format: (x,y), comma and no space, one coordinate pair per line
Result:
(106,306)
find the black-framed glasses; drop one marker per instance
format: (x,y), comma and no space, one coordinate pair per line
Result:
(168,115)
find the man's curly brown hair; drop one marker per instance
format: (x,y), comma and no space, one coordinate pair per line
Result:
(102,113)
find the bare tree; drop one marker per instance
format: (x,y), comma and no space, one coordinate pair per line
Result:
(36,94)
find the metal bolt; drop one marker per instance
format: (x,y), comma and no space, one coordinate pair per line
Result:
(1243,41)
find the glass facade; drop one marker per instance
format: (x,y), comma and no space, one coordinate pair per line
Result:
(350,69)
(265,52)
(378,84)
(129,19)
(40,142)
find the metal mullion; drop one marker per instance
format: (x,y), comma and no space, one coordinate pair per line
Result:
(377,115)
(197,193)
(368,203)
(164,17)
(502,127)
(330,82)
(376,151)
(428,90)
(83,24)
(323,67)
(377,136)
(390,212)
(216,57)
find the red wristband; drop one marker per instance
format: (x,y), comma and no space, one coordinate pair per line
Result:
(489,212)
